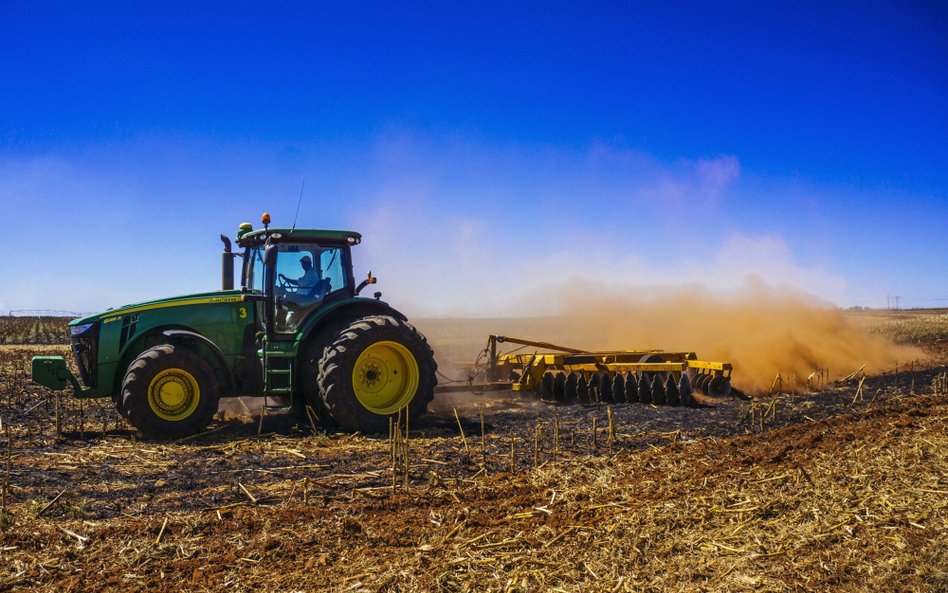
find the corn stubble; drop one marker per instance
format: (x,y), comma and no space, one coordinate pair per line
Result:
(835,482)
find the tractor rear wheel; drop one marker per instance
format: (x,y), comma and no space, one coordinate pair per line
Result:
(169,392)
(374,367)
(309,371)
(119,405)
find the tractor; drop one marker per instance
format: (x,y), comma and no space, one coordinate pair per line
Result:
(296,331)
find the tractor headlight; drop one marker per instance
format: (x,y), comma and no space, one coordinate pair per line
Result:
(80,329)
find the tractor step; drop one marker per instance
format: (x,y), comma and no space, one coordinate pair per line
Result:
(277,408)
(275,354)
(277,370)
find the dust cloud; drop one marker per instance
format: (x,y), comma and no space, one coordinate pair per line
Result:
(240,408)
(761,330)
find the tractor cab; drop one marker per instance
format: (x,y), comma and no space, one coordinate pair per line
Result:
(294,271)
(304,275)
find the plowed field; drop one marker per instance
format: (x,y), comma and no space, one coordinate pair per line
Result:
(829,489)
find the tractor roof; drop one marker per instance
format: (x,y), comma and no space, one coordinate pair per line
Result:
(258,236)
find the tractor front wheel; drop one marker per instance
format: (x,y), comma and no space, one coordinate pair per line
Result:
(169,392)
(373,368)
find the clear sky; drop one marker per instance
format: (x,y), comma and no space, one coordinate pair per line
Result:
(492,154)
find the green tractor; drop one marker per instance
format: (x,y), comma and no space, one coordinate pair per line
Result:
(296,331)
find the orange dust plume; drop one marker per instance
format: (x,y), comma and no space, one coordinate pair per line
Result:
(761,331)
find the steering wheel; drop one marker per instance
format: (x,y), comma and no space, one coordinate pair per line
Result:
(285,283)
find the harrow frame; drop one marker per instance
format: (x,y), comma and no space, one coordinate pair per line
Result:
(525,372)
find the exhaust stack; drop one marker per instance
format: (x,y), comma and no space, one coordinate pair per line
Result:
(227,265)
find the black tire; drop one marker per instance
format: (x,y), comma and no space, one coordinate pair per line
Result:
(309,372)
(156,418)
(119,406)
(336,367)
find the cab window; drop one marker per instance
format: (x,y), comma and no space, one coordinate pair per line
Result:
(255,269)
(331,266)
(305,274)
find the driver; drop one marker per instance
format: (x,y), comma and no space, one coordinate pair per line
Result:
(295,295)
(309,277)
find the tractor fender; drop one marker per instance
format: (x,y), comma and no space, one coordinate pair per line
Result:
(350,308)
(185,336)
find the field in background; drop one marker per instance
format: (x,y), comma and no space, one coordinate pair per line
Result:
(33,330)
(913,326)
(838,488)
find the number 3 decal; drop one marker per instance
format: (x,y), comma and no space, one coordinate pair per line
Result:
(242,312)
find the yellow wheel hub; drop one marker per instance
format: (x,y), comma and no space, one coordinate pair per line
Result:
(174,394)
(385,377)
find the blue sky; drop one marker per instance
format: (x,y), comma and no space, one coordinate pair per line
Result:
(493,154)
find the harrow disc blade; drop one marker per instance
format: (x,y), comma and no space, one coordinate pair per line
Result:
(618,388)
(559,387)
(718,387)
(671,391)
(631,388)
(594,393)
(546,386)
(658,390)
(569,386)
(707,383)
(684,391)
(605,388)
(582,389)
(645,391)
(701,383)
